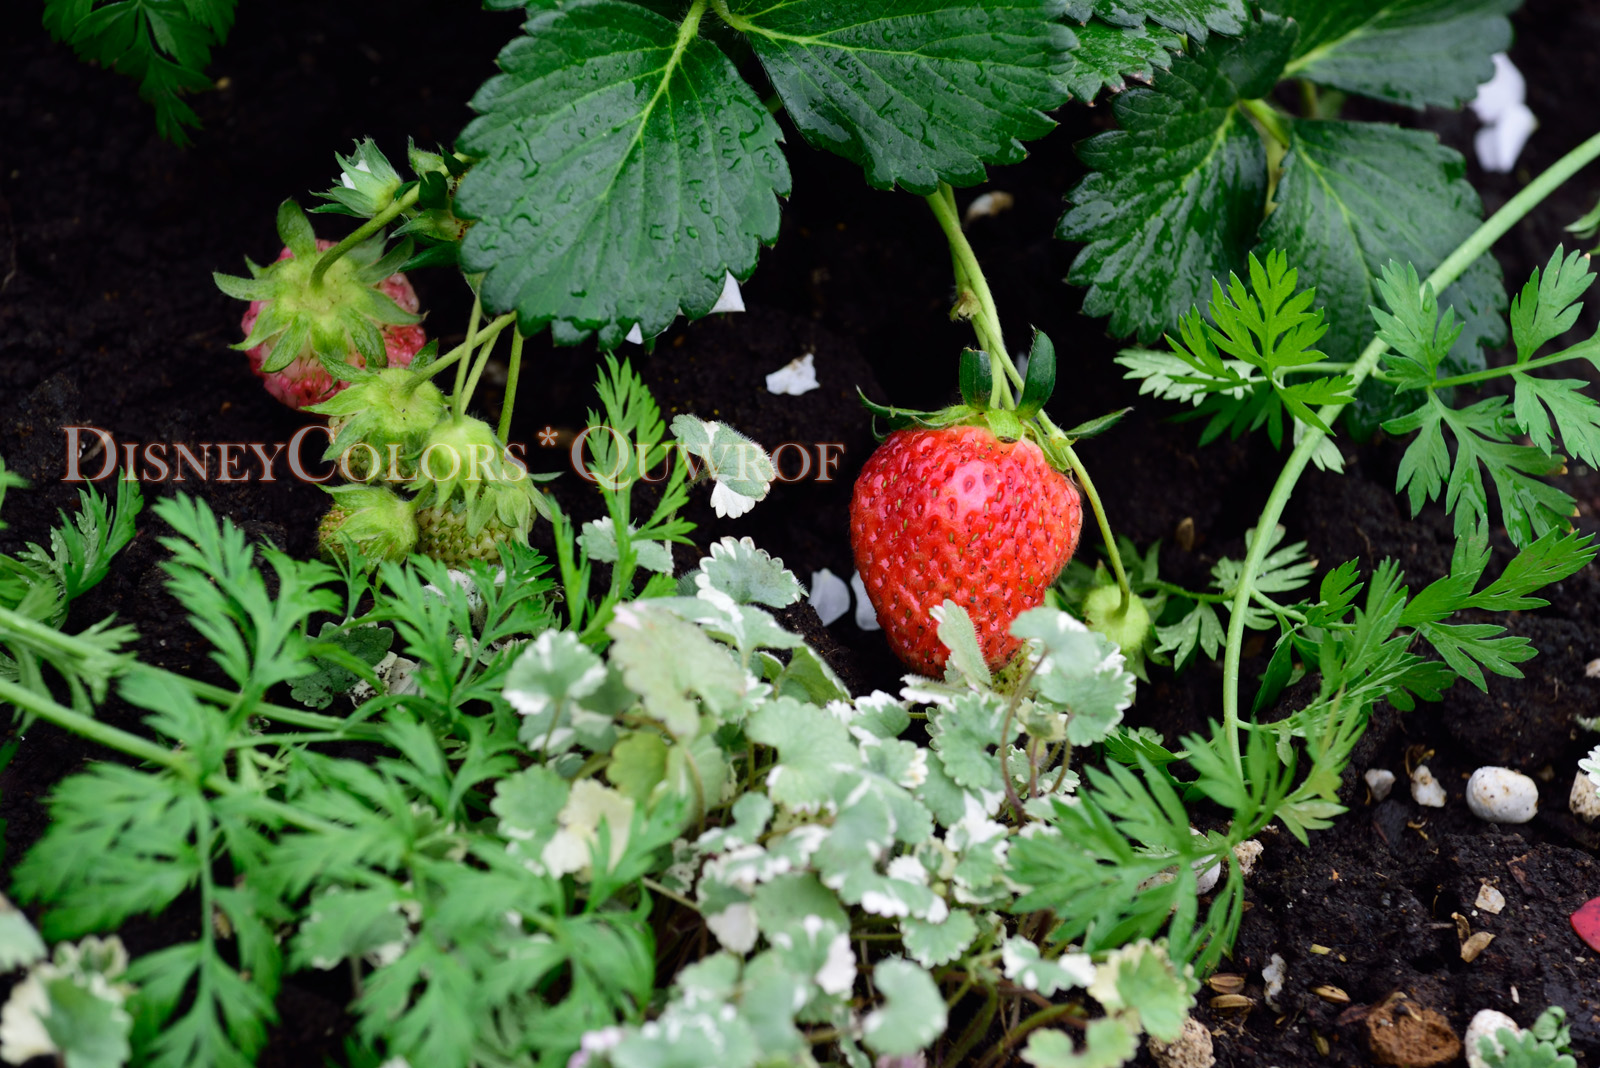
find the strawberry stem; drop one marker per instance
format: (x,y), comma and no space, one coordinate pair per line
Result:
(512,375)
(362,232)
(450,358)
(471,345)
(1087,485)
(1447,272)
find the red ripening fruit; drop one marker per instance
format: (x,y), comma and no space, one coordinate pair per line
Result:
(305,381)
(958,514)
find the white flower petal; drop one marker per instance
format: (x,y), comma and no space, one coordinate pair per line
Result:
(730,504)
(731,299)
(866,615)
(830,597)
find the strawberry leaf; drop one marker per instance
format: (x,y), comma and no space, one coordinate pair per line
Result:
(625,170)
(1192,18)
(1412,52)
(1352,197)
(916,91)
(1177,193)
(1107,56)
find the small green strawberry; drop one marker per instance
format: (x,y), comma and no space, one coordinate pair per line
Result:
(392,412)
(377,520)
(444,534)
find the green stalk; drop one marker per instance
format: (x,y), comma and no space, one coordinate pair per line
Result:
(512,375)
(454,355)
(986,324)
(478,365)
(100,733)
(364,231)
(1447,272)
(1270,118)
(1586,350)
(471,344)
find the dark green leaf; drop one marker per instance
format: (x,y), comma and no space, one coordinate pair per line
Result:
(1413,52)
(1107,56)
(1355,195)
(1192,18)
(1176,195)
(916,91)
(622,176)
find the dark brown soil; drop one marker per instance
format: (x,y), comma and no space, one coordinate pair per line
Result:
(108,317)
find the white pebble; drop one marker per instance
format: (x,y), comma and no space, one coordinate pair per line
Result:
(1274,974)
(1425,789)
(1247,853)
(1585,799)
(830,597)
(1490,900)
(989,204)
(1592,669)
(794,378)
(1380,781)
(1486,1025)
(1500,795)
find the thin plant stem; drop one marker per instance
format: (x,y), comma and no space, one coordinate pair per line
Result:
(471,346)
(364,231)
(1087,484)
(1586,350)
(1447,272)
(513,374)
(455,355)
(1270,119)
(484,351)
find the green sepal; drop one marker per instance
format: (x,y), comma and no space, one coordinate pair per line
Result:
(977,377)
(1098,425)
(295,230)
(902,418)
(1040,381)
(1007,426)
(290,344)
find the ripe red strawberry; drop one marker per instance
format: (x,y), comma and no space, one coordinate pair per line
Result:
(305,381)
(957,513)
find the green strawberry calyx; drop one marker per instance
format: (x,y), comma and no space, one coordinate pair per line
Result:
(463,461)
(392,407)
(328,316)
(379,522)
(978,407)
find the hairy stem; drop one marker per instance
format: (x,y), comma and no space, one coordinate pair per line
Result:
(1447,272)
(985,317)
(364,231)
(1087,485)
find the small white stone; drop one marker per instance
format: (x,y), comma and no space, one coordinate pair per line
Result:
(830,597)
(1486,1025)
(1247,853)
(1490,900)
(1591,670)
(794,378)
(989,204)
(1585,799)
(1500,795)
(866,615)
(1192,1049)
(1206,881)
(1425,789)
(731,299)
(1274,974)
(1380,781)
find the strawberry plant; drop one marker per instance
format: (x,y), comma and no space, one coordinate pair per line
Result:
(583,807)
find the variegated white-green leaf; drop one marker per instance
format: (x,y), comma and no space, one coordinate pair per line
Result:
(1080,671)
(961,638)
(547,684)
(599,542)
(590,806)
(933,944)
(668,662)
(748,574)
(878,714)
(964,735)
(740,466)
(1024,966)
(813,749)
(527,804)
(20,944)
(912,1014)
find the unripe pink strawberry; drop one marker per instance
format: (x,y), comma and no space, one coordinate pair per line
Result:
(310,320)
(304,382)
